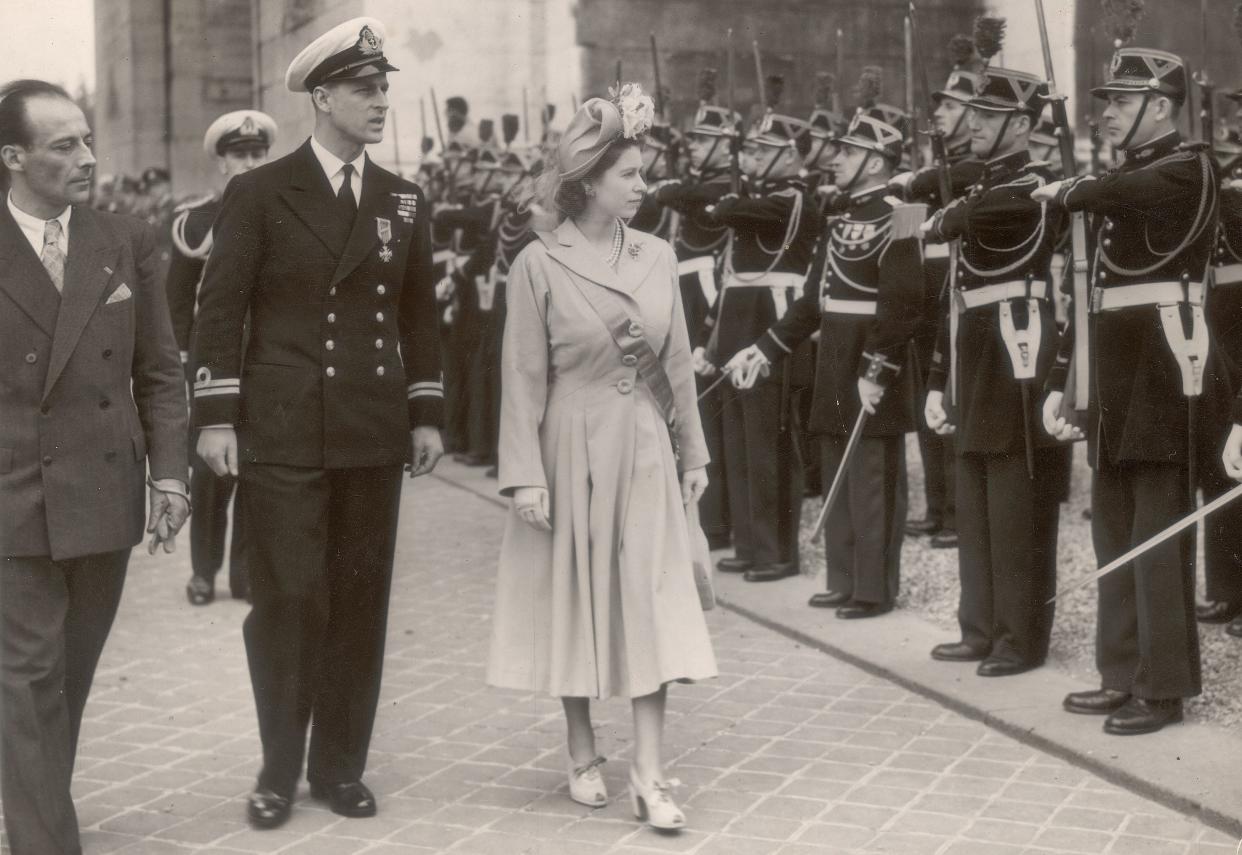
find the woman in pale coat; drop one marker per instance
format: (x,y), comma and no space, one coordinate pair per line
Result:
(600,454)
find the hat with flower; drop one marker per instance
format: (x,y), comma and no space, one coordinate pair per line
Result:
(599,123)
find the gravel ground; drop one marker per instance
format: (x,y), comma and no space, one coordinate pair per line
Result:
(929,585)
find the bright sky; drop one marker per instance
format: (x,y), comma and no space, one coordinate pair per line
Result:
(50,39)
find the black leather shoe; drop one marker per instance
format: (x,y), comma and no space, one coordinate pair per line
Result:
(200,591)
(351,799)
(1217,611)
(734,565)
(859,611)
(828,599)
(1235,627)
(927,525)
(959,651)
(770,572)
(997,667)
(1139,715)
(944,539)
(1095,702)
(267,809)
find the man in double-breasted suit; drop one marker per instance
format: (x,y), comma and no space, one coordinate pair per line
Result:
(330,256)
(91,394)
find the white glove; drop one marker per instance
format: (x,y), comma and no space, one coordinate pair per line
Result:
(747,366)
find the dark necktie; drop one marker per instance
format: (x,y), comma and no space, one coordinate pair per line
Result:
(345,201)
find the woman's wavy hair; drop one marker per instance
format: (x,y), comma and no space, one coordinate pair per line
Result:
(567,198)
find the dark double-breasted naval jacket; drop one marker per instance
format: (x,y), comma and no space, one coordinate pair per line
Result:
(343,357)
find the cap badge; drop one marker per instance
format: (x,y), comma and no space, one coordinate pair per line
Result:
(249,128)
(1116,64)
(369,44)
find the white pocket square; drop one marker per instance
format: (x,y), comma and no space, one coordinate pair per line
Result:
(122,293)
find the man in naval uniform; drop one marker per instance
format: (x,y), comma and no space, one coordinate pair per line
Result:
(330,255)
(1159,398)
(238,142)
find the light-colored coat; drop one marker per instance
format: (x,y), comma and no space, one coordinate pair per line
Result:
(606,603)
(91,389)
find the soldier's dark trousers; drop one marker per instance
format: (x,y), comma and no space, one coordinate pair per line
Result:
(320,548)
(939,474)
(211,496)
(714,505)
(54,620)
(1147,641)
(864,529)
(763,472)
(482,390)
(1222,535)
(1007,552)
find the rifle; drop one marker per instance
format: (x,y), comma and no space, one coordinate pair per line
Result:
(450,175)
(1077,387)
(655,68)
(763,95)
(1207,90)
(914,142)
(525,117)
(735,148)
(836,93)
(940,159)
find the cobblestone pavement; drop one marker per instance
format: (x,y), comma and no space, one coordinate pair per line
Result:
(789,751)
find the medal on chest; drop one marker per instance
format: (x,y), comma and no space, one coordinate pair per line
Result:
(383,228)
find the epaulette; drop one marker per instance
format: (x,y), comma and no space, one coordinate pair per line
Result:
(1038,164)
(787,191)
(196,202)
(1193,145)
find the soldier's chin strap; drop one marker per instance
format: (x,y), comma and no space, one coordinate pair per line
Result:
(767,171)
(1138,120)
(849,188)
(1000,136)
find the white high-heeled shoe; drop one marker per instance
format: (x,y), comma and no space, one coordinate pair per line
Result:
(654,805)
(586,784)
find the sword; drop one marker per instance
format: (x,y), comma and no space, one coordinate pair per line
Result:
(1155,540)
(723,376)
(838,480)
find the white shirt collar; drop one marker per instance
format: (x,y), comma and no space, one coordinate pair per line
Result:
(32,226)
(332,165)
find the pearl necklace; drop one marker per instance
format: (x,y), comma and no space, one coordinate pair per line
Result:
(618,241)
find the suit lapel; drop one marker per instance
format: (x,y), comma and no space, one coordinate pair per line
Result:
(310,196)
(572,249)
(23,277)
(86,274)
(364,235)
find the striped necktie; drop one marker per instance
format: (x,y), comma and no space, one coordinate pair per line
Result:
(53,256)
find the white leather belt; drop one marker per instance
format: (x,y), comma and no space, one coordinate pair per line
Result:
(848,307)
(702,264)
(1227,274)
(935,250)
(765,280)
(1145,294)
(998,292)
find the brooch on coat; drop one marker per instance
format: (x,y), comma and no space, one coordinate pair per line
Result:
(635,249)
(383,228)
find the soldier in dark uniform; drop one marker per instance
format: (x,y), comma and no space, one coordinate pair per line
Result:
(773,232)
(1223,530)
(239,142)
(330,255)
(659,156)
(862,295)
(699,241)
(506,231)
(937,451)
(1157,383)
(999,342)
